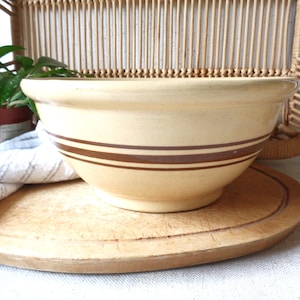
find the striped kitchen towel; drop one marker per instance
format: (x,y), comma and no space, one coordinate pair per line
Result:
(28,159)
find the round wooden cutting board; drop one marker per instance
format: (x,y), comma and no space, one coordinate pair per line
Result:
(64,227)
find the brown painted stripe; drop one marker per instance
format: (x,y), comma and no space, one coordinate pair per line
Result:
(194,147)
(161,169)
(164,159)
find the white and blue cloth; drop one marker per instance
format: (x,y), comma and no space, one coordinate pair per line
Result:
(31,159)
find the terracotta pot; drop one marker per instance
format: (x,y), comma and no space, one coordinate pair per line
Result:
(14,121)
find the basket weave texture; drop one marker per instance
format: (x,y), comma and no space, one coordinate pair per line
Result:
(170,38)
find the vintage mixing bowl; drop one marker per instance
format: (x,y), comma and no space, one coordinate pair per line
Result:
(159,145)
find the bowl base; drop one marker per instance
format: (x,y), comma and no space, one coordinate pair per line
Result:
(156,206)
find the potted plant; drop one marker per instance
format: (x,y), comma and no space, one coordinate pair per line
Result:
(16,109)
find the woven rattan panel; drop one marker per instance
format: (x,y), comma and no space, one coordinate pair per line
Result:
(163,38)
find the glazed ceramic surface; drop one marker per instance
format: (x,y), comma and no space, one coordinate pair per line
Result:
(159,145)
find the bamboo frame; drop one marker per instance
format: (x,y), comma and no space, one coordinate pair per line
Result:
(168,38)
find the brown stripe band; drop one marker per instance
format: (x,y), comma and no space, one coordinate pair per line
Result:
(161,169)
(164,159)
(194,147)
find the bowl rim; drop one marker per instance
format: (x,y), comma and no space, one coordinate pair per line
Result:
(160,91)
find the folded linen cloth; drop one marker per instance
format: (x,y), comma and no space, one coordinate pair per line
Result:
(30,159)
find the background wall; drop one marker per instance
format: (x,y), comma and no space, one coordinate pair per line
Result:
(5,32)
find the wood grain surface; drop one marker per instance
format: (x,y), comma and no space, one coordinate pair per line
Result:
(64,227)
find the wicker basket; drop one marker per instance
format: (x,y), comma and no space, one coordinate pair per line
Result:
(171,38)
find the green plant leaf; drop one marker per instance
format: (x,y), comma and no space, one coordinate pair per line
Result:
(4,76)
(10,85)
(8,49)
(17,96)
(45,61)
(60,72)
(5,86)
(10,91)
(25,62)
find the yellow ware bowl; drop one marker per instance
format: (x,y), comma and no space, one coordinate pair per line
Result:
(159,145)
